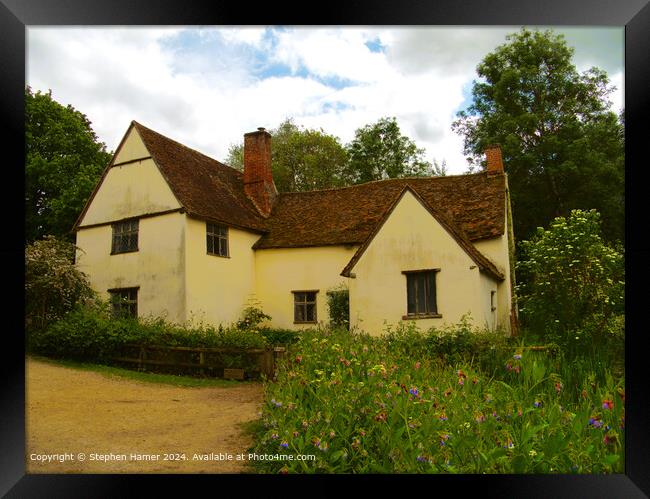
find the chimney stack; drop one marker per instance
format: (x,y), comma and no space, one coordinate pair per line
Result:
(258,179)
(494,159)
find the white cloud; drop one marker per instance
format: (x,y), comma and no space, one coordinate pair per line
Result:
(340,53)
(204,87)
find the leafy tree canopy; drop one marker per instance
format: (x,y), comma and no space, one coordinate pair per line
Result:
(562,146)
(304,159)
(379,151)
(301,159)
(63,163)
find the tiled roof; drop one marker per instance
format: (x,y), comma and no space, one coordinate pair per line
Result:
(474,203)
(473,206)
(202,185)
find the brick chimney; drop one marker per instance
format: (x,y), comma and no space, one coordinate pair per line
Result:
(494,159)
(258,179)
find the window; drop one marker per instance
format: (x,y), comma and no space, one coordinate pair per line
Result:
(421,293)
(493,296)
(124,302)
(217,239)
(304,306)
(125,237)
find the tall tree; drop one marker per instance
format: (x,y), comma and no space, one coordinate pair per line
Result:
(63,163)
(379,151)
(301,159)
(562,146)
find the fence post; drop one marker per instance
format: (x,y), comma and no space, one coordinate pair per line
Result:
(202,362)
(266,363)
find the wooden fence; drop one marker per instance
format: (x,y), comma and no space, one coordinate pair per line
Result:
(231,363)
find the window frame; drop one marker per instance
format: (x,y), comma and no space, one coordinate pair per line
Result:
(217,238)
(428,313)
(125,302)
(119,234)
(305,304)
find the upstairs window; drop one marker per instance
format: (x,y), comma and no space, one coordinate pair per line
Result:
(217,239)
(125,237)
(421,293)
(124,302)
(304,307)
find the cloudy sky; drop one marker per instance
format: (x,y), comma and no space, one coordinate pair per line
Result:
(207,86)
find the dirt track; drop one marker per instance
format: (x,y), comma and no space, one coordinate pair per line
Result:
(73,411)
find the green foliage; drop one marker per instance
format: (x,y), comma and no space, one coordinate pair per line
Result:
(252,317)
(453,344)
(63,163)
(338,304)
(92,334)
(53,285)
(365,404)
(379,151)
(301,159)
(573,284)
(562,147)
(279,336)
(305,159)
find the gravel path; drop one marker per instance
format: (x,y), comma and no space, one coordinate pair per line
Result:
(130,426)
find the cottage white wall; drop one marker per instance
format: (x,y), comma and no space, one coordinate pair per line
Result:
(488,285)
(412,239)
(281,271)
(132,189)
(218,288)
(496,249)
(158,267)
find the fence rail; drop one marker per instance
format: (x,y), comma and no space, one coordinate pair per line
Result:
(207,361)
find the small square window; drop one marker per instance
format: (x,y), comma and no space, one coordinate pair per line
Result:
(421,293)
(304,307)
(217,239)
(124,302)
(125,237)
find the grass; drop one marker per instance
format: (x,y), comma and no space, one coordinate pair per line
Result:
(141,376)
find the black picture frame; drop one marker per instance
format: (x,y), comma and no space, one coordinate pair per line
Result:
(16,15)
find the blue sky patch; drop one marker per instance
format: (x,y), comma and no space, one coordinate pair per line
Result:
(335,106)
(467,97)
(375,45)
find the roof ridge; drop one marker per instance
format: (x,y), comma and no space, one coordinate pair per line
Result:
(396,179)
(137,124)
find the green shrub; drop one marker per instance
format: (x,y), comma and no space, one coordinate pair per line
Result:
(338,303)
(279,336)
(92,334)
(53,285)
(572,284)
(252,317)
